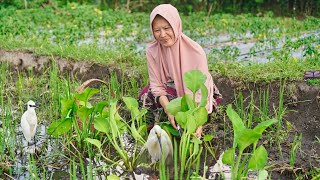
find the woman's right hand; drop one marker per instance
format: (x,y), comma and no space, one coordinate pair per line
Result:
(172,121)
(164,102)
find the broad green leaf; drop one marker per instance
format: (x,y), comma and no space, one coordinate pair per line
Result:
(204,96)
(121,126)
(201,115)
(102,124)
(135,133)
(84,113)
(174,106)
(246,137)
(191,124)
(94,142)
(181,118)
(113,177)
(190,102)
(235,119)
(86,94)
(207,137)
(66,106)
(60,126)
(99,107)
(85,104)
(184,104)
(139,114)
(258,159)
(228,156)
(194,79)
(169,128)
(131,103)
(237,123)
(113,109)
(264,125)
(142,130)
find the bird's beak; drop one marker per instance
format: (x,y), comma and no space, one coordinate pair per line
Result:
(35,106)
(159,139)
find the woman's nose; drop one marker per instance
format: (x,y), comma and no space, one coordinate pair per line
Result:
(162,33)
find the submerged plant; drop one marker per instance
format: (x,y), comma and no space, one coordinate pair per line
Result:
(244,137)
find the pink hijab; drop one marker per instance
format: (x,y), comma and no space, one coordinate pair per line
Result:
(170,63)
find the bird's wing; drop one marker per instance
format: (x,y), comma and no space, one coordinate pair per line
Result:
(25,127)
(167,142)
(32,118)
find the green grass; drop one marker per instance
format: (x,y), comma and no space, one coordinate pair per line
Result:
(49,31)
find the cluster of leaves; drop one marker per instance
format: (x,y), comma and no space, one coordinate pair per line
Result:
(244,137)
(190,115)
(78,115)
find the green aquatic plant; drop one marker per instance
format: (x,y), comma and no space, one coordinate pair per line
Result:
(244,137)
(190,115)
(114,127)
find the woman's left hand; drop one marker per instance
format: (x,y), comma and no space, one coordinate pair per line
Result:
(199,132)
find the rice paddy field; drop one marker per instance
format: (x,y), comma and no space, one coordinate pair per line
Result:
(267,126)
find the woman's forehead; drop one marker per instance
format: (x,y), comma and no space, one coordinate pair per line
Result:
(160,21)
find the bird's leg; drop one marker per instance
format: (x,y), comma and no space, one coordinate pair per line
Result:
(35,143)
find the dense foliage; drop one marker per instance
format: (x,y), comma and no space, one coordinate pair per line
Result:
(278,7)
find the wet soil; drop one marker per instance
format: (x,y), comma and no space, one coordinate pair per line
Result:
(301,101)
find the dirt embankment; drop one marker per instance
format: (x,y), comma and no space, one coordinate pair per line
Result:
(302,102)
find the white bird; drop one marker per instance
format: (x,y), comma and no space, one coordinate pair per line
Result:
(159,143)
(29,121)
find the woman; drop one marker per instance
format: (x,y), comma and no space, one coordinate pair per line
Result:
(169,56)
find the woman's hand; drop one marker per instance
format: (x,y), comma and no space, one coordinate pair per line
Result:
(199,132)
(172,121)
(164,101)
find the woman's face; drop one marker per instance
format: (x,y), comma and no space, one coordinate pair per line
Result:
(163,31)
